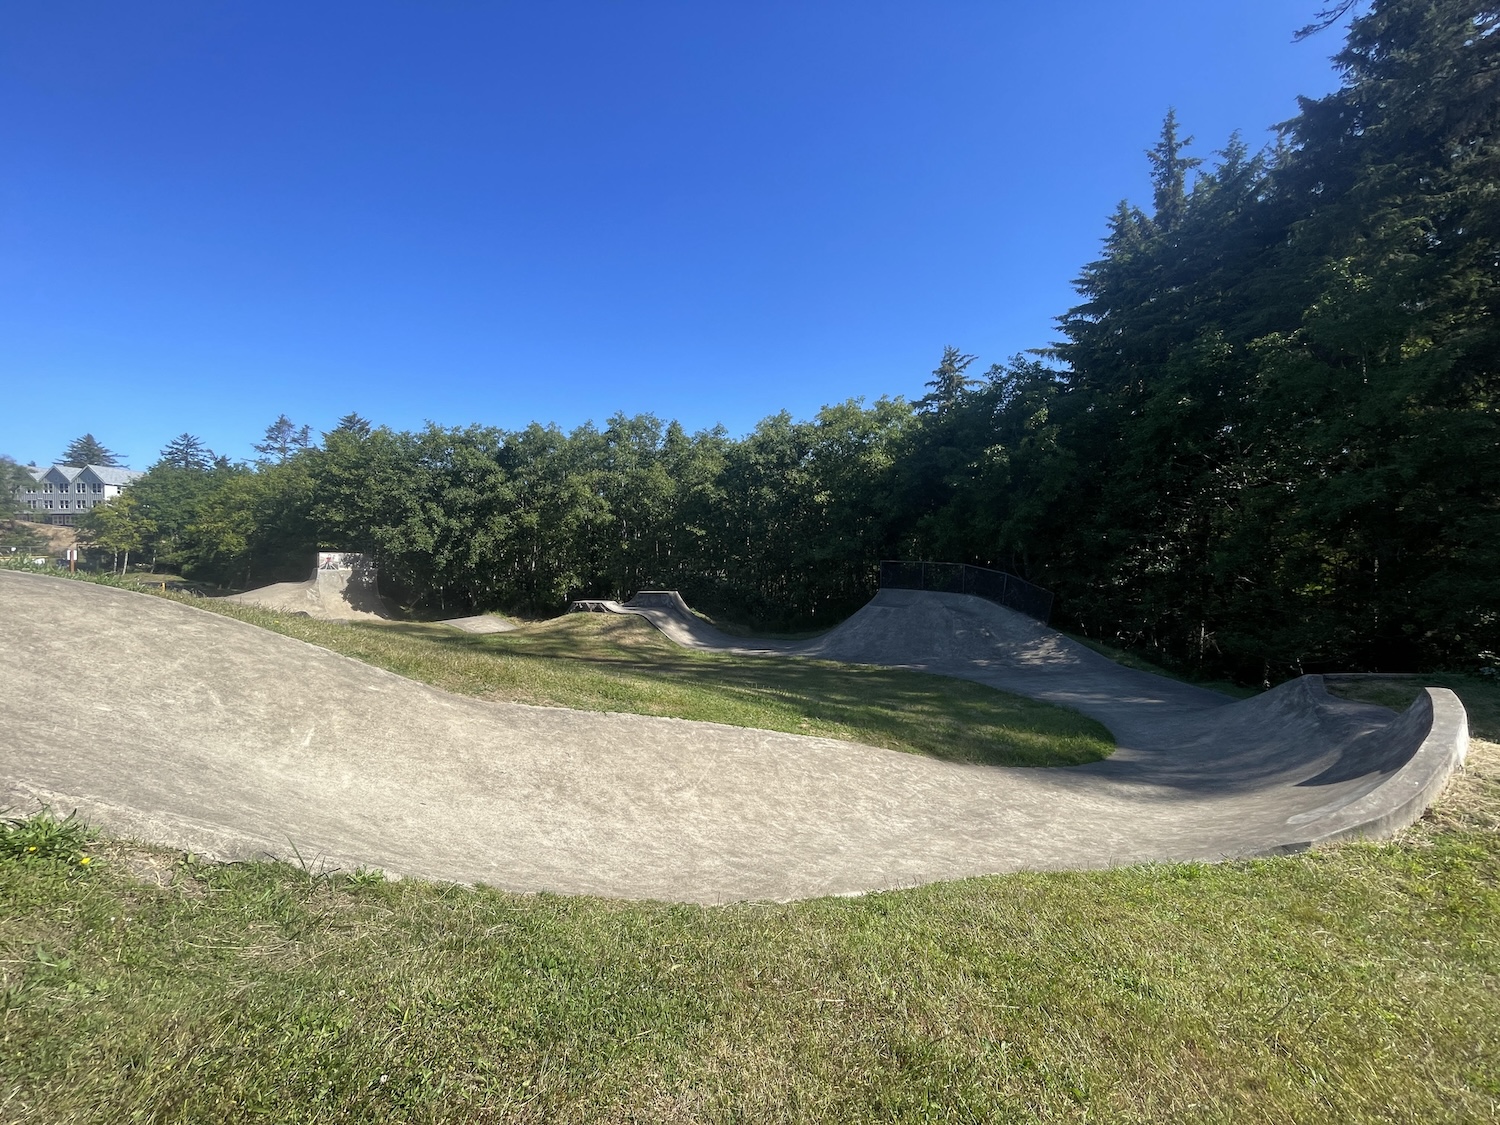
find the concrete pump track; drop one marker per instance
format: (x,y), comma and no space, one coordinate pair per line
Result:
(181,727)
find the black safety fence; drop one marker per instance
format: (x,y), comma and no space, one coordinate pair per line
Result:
(961,578)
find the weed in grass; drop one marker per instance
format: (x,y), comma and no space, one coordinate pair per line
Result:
(43,837)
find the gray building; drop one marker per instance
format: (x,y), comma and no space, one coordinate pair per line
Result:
(62,493)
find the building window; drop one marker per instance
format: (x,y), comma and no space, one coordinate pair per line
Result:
(49,503)
(98,488)
(80,487)
(62,503)
(46,488)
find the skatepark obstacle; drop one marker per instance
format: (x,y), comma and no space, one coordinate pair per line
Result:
(207,734)
(997,586)
(343,587)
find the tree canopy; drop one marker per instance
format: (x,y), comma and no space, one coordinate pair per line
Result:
(283,439)
(88,450)
(186,451)
(14,477)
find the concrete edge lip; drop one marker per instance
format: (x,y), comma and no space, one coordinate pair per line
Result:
(1402,798)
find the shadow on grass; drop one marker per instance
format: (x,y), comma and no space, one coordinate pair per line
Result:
(1480,696)
(623,664)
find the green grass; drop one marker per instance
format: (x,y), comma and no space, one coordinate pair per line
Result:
(1480,696)
(1129,659)
(604,662)
(1352,984)
(45,838)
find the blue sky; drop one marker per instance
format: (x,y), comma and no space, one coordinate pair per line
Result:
(466,212)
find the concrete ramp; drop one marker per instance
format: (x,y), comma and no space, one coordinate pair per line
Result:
(674,618)
(343,587)
(1372,772)
(199,732)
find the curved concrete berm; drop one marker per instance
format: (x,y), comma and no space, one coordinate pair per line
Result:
(174,725)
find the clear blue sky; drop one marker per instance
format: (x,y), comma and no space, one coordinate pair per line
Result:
(212,213)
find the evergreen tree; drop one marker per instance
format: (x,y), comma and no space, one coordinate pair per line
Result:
(948,382)
(351,423)
(1169,169)
(88,450)
(283,439)
(187,452)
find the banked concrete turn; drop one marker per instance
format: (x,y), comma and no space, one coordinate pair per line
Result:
(199,732)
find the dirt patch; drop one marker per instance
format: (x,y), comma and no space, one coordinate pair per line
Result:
(55,538)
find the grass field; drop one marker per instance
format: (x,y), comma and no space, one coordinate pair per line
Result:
(1480,694)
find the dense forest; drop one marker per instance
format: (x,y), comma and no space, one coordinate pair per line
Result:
(1267,441)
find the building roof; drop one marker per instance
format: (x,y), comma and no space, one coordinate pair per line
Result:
(112,474)
(103,474)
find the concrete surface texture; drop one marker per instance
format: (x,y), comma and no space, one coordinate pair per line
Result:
(343,592)
(202,733)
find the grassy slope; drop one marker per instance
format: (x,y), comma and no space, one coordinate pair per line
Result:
(598,662)
(1140,663)
(1480,695)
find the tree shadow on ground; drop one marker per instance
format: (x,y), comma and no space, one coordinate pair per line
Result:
(624,664)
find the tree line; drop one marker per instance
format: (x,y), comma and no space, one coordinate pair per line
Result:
(1266,442)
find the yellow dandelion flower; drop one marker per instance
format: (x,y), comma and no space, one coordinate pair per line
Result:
(85,861)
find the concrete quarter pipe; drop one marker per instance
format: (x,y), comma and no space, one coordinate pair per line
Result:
(200,732)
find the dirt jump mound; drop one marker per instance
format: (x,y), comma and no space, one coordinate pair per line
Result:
(342,588)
